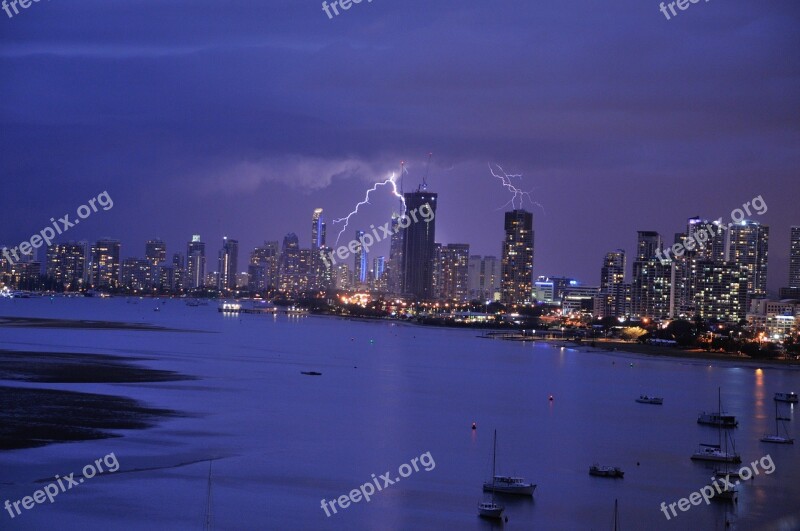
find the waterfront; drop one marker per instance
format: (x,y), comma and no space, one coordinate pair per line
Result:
(389,392)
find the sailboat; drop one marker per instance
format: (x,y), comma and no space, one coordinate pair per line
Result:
(777,438)
(491,509)
(713,452)
(728,493)
(508,484)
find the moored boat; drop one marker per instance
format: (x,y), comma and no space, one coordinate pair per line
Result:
(606,471)
(786,397)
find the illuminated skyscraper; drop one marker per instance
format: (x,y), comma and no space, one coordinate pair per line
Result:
(748,245)
(155,251)
(517,261)
(228,262)
(361,260)
(66,263)
(195,263)
(105,264)
(317,229)
(452,272)
(794,258)
(651,289)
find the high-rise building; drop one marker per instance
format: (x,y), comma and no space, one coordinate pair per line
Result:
(105,264)
(228,263)
(721,291)
(419,240)
(612,286)
(483,278)
(748,244)
(66,263)
(394,273)
(263,267)
(317,229)
(517,264)
(651,289)
(794,258)
(379,274)
(452,272)
(155,251)
(361,260)
(178,272)
(289,265)
(195,263)
(136,274)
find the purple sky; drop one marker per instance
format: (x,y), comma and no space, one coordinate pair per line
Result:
(238,118)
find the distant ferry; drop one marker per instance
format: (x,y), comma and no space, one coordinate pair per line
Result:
(786,397)
(644,399)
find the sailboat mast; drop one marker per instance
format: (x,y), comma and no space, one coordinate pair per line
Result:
(208,499)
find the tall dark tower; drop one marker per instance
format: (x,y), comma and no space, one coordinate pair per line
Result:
(517,264)
(418,245)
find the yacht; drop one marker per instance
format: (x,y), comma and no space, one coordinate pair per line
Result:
(717,419)
(778,438)
(713,452)
(509,485)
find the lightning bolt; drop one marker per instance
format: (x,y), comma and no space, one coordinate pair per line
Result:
(506,178)
(391,181)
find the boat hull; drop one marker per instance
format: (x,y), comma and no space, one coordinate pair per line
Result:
(492,513)
(717,458)
(776,440)
(525,490)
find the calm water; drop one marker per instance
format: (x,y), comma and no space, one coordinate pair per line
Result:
(389,393)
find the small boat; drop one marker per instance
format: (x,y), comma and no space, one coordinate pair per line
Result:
(509,485)
(778,438)
(713,452)
(720,473)
(506,484)
(717,419)
(311,373)
(644,399)
(490,510)
(606,471)
(786,397)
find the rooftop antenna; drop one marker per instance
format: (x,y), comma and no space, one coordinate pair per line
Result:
(427,169)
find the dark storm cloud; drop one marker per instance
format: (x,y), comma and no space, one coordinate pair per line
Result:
(240,117)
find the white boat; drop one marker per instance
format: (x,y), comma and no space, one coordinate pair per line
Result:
(786,397)
(778,438)
(491,509)
(713,452)
(644,399)
(507,484)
